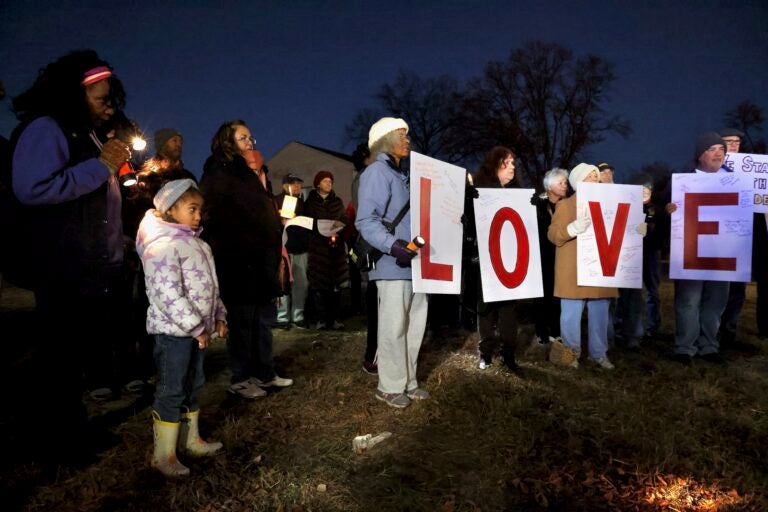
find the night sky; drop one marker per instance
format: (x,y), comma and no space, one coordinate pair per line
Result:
(300,70)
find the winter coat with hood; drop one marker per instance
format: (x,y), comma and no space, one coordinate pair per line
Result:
(180,277)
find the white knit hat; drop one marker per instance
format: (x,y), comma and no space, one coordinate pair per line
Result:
(580,172)
(171,192)
(383,126)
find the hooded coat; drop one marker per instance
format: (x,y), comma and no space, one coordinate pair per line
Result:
(180,278)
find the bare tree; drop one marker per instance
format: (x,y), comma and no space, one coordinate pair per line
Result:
(748,118)
(427,105)
(543,103)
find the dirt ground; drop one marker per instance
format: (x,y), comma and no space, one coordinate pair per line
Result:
(651,435)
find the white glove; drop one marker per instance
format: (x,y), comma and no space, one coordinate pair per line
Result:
(579,226)
(642,228)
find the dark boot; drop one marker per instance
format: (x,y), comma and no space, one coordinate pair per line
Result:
(510,362)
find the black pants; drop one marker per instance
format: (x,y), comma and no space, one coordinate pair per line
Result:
(497,323)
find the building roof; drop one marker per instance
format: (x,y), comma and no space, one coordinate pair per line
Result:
(305,161)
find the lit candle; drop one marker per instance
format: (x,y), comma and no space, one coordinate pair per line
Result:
(288,209)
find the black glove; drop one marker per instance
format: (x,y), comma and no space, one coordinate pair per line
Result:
(401,253)
(472,191)
(534,199)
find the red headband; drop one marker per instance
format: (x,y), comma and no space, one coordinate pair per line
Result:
(95,75)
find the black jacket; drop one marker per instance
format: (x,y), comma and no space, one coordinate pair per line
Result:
(243,228)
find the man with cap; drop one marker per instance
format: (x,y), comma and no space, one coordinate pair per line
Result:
(384,192)
(168,148)
(732,138)
(700,303)
(166,165)
(606,172)
(290,312)
(737,292)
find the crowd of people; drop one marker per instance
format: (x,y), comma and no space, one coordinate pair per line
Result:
(192,261)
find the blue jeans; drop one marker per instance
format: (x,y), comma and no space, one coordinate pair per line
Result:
(698,307)
(180,369)
(291,307)
(631,310)
(570,325)
(651,280)
(737,294)
(250,340)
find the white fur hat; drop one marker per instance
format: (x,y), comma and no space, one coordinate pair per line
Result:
(170,193)
(580,172)
(383,126)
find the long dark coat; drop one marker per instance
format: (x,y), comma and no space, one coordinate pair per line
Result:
(328,267)
(243,228)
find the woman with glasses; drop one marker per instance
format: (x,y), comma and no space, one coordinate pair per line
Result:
(243,228)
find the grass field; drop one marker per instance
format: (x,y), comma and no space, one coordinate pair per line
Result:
(650,435)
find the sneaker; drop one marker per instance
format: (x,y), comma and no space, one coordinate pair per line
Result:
(417,394)
(574,364)
(337,325)
(603,363)
(370,368)
(485,362)
(398,400)
(135,386)
(298,325)
(101,394)
(320,325)
(277,381)
(247,389)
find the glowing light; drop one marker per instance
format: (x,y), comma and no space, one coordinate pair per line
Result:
(138,143)
(686,494)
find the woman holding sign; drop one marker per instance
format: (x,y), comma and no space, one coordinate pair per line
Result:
(563,230)
(497,321)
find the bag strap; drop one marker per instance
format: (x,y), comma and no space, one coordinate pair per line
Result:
(391,227)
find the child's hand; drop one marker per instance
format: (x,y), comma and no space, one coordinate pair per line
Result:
(221,328)
(203,340)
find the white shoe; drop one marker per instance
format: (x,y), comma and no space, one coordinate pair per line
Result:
(485,362)
(247,389)
(277,381)
(604,363)
(574,364)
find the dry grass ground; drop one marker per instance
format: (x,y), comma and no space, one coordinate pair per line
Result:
(651,435)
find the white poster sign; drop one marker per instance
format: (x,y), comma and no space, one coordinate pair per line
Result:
(610,253)
(437,203)
(508,244)
(711,229)
(753,171)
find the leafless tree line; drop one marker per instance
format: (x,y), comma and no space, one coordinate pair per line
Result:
(542,101)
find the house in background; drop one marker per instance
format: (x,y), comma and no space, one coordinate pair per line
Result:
(305,161)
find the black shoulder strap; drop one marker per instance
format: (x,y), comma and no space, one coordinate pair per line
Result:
(400,215)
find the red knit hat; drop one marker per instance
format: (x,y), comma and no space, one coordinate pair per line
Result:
(320,176)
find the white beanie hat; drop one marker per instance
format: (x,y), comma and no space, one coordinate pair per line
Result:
(580,172)
(383,126)
(171,192)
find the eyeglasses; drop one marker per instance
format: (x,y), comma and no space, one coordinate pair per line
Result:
(731,142)
(244,138)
